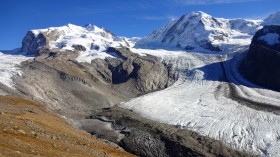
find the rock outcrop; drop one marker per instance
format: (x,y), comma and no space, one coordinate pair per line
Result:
(262,63)
(79,47)
(32,43)
(147,72)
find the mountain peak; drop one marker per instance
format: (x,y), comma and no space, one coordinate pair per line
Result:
(272,19)
(198,13)
(91,27)
(89,38)
(198,30)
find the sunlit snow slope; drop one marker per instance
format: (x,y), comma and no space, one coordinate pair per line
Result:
(201,32)
(204,100)
(93,40)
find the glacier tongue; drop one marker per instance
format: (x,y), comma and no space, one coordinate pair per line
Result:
(9,67)
(213,99)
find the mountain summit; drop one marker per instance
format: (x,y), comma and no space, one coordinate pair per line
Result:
(272,19)
(198,30)
(91,40)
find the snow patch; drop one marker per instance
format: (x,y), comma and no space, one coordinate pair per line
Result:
(270,38)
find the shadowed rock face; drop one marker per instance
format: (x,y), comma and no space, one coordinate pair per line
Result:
(32,44)
(262,63)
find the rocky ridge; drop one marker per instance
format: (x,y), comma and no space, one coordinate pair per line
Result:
(101,83)
(261,65)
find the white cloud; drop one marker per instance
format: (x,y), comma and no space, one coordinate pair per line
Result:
(208,2)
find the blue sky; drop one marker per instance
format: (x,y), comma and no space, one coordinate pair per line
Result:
(122,17)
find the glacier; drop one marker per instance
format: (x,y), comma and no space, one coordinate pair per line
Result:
(9,66)
(209,98)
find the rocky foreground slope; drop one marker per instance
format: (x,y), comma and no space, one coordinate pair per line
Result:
(262,63)
(29,129)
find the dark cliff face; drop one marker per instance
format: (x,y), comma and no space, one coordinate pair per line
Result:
(31,44)
(262,63)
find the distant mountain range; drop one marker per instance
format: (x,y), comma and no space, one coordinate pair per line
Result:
(200,31)
(194,31)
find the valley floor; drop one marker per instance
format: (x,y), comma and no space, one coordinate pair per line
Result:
(213,99)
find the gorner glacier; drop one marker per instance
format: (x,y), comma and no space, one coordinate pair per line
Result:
(211,97)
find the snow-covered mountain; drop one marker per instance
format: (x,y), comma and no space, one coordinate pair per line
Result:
(91,41)
(273,19)
(198,30)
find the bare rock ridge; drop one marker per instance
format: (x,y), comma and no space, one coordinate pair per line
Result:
(101,83)
(262,63)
